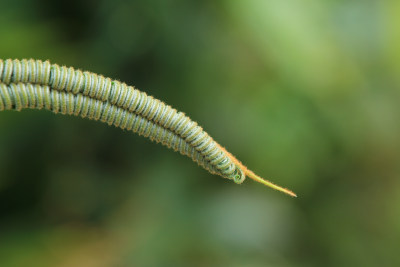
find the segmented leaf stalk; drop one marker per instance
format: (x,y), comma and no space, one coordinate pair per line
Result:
(36,84)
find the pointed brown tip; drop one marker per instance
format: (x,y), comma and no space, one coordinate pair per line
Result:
(257,178)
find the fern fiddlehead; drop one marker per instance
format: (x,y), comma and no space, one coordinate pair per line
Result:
(38,84)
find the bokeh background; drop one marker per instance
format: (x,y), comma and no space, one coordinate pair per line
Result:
(304,92)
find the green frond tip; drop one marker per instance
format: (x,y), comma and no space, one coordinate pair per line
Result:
(239,176)
(38,84)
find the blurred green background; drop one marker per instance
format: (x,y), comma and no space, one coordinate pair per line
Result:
(304,92)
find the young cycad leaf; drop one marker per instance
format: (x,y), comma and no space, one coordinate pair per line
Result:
(37,84)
